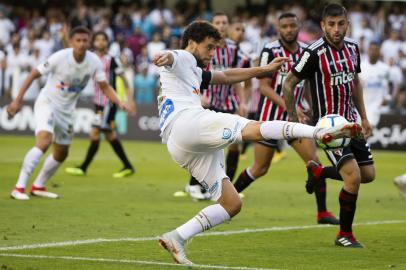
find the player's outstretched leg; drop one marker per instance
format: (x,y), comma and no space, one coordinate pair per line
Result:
(400,182)
(229,204)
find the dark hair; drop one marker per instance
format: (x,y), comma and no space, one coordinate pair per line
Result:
(100,33)
(219,13)
(79,30)
(334,10)
(287,15)
(198,31)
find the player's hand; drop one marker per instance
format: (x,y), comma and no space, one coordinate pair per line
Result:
(301,115)
(277,63)
(13,108)
(133,108)
(163,59)
(366,128)
(205,101)
(242,110)
(124,107)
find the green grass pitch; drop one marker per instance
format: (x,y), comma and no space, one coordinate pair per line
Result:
(98,206)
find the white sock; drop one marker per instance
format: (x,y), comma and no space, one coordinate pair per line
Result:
(207,218)
(48,169)
(31,160)
(283,130)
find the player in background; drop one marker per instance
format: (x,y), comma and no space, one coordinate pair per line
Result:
(105,111)
(223,98)
(68,71)
(272,107)
(200,150)
(331,64)
(375,82)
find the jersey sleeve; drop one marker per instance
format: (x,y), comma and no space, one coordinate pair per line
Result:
(99,74)
(206,79)
(176,56)
(266,56)
(306,66)
(49,65)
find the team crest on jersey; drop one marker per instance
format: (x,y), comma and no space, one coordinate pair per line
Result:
(321,51)
(227,133)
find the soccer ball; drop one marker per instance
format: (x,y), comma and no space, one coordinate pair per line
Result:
(331,120)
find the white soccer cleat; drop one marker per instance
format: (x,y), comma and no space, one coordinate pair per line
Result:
(195,191)
(42,192)
(175,245)
(18,194)
(349,130)
(400,182)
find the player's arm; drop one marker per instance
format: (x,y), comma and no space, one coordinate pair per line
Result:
(358,99)
(288,87)
(163,59)
(240,91)
(15,106)
(109,92)
(235,75)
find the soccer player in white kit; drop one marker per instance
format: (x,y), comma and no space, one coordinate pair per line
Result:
(196,137)
(68,71)
(375,82)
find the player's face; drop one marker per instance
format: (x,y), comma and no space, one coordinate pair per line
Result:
(204,51)
(80,42)
(221,24)
(100,43)
(237,32)
(334,28)
(288,29)
(374,53)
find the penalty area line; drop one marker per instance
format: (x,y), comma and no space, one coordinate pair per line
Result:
(126,261)
(231,232)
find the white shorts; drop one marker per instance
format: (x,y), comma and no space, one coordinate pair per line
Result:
(196,142)
(47,118)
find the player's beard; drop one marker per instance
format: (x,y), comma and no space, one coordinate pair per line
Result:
(331,39)
(289,41)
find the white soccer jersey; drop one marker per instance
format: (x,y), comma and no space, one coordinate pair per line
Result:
(180,86)
(374,78)
(67,78)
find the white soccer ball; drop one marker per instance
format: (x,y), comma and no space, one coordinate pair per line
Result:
(331,120)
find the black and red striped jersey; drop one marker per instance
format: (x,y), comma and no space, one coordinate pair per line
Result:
(224,97)
(267,109)
(331,73)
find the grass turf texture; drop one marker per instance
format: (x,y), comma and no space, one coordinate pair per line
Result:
(98,206)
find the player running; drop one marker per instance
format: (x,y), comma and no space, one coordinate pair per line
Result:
(272,107)
(196,137)
(331,64)
(68,71)
(106,111)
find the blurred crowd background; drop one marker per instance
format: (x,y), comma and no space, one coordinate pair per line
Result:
(31,31)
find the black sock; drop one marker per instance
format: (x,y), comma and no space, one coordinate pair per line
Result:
(330,172)
(347,210)
(232,163)
(118,148)
(91,152)
(320,194)
(243,181)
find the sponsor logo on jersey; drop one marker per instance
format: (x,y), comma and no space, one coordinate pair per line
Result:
(341,78)
(302,62)
(195,90)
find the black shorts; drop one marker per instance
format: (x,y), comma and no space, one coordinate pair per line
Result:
(358,149)
(104,117)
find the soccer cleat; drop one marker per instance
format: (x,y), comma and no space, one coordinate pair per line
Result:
(175,245)
(42,192)
(400,182)
(195,191)
(76,171)
(327,218)
(348,240)
(350,130)
(313,175)
(19,194)
(278,156)
(124,173)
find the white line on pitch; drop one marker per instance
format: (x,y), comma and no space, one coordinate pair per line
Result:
(130,262)
(139,239)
